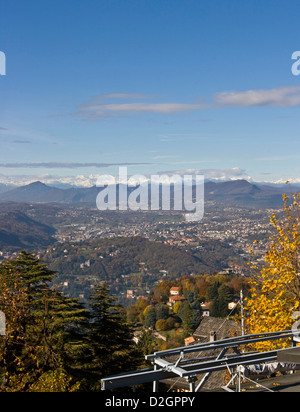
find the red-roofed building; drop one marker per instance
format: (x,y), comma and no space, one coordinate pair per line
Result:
(189,341)
(174,291)
(175,299)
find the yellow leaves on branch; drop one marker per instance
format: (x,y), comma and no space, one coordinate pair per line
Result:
(275,294)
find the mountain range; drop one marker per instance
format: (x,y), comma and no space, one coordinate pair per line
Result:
(237,193)
(241,193)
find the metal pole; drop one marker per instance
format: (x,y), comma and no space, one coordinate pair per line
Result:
(155,383)
(239,380)
(242,313)
(239,377)
(192,381)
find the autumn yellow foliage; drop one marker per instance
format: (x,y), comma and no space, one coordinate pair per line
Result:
(275,293)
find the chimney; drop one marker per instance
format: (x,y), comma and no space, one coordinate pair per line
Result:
(213,336)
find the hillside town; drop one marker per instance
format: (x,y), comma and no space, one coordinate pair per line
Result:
(238,227)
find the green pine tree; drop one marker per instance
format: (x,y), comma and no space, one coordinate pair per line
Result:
(225,297)
(219,306)
(110,346)
(186,315)
(213,291)
(151,318)
(39,325)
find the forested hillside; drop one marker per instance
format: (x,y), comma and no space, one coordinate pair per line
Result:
(19,231)
(127,263)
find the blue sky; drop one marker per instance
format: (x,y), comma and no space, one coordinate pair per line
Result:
(160,85)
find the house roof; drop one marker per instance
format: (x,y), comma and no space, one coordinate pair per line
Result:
(189,340)
(205,306)
(223,328)
(176,298)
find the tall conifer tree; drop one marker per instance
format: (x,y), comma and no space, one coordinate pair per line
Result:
(40,323)
(110,340)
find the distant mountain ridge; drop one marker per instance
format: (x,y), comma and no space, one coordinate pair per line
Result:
(241,193)
(38,192)
(5,187)
(19,231)
(238,193)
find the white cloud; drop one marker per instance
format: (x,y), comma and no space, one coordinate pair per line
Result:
(101,107)
(107,110)
(164,157)
(101,97)
(91,179)
(22,180)
(216,175)
(235,173)
(294,181)
(278,97)
(63,165)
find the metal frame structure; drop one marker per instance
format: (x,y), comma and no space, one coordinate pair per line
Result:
(173,363)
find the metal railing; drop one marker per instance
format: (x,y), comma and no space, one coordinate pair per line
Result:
(174,363)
